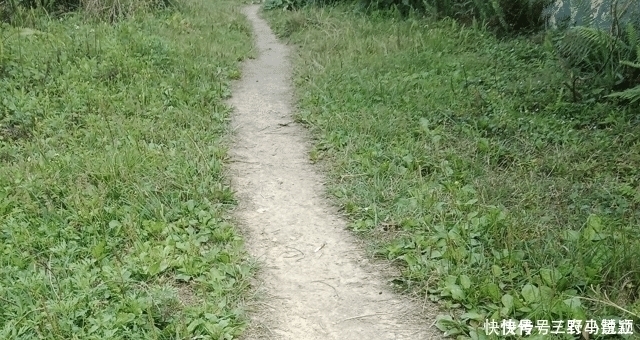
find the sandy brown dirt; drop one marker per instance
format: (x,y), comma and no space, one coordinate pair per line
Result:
(316,283)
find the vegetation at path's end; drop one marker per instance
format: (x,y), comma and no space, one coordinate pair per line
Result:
(463,158)
(113,209)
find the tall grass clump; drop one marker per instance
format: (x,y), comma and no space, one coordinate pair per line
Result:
(463,159)
(18,12)
(504,16)
(112,10)
(113,208)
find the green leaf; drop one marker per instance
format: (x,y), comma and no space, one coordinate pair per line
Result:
(483,144)
(191,204)
(472,316)
(507,301)
(546,293)
(194,324)
(213,328)
(28,31)
(154,269)
(504,312)
(530,293)
(496,270)
(471,201)
(436,254)
(465,281)
(444,323)
(493,291)
(573,302)
(451,280)
(424,124)
(550,277)
(632,94)
(182,245)
(124,318)
(593,231)
(457,293)
(183,277)
(594,222)
(628,63)
(98,250)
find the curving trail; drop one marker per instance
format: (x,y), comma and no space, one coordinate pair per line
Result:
(317,281)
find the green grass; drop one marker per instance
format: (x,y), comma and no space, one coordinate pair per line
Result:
(113,208)
(462,159)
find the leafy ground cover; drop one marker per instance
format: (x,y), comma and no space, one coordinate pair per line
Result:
(462,158)
(113,209)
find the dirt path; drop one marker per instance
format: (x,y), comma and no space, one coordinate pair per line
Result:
(318,283)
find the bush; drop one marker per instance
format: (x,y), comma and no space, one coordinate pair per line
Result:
(599,63)
(505,16)
(13,11)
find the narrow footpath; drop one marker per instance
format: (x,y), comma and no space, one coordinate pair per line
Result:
(316,283)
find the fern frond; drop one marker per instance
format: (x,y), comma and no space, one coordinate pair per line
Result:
(632,36)
(628,63)
(632,94)
(587,48)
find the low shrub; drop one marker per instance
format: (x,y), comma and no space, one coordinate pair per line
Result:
(505,16)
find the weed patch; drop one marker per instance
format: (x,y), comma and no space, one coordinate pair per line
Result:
(462,158)
(113,208)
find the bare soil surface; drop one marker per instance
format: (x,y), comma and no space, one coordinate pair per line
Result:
(316,281)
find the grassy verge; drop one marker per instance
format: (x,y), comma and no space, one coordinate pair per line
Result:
(461,158)
(113,210)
